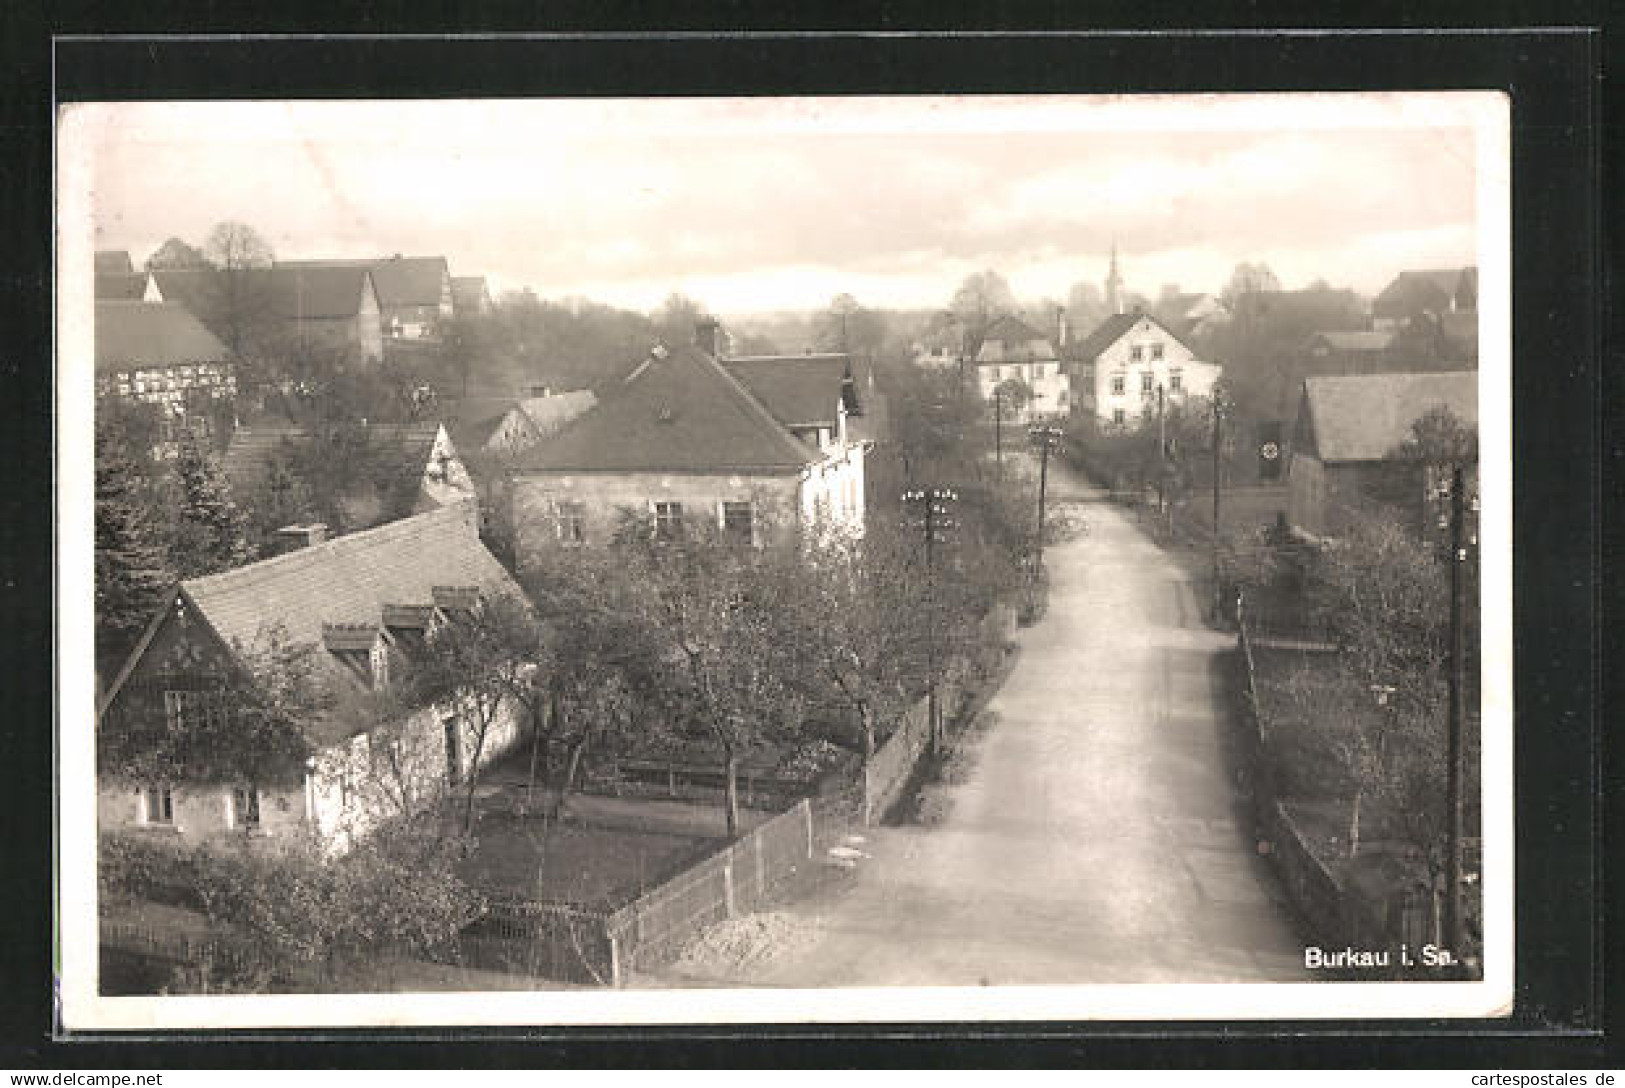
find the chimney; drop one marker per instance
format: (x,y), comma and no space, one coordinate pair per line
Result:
(1061,328)
(291,538)
(706,331)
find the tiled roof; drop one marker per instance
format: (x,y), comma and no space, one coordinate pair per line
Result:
(1357,341)
(314,292)
(472,421)
(399,281)
(350,580)
(252,448)
(1008,331)
(114,261)
(550,414)
(680,413)
(120,286)
(1425,289)
(151,334)
(1113,329)
(799,390)
(1365,417)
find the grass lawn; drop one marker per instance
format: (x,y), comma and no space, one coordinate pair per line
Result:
(594,866)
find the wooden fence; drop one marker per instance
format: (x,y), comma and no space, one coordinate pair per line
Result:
(736,880)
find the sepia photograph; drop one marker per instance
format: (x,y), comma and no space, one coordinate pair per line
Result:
(717,560)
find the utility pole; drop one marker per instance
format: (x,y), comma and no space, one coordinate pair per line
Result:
(998,429)
(1217,597)
(1162,454)
(1453,914)
(935,522)
(1043,437)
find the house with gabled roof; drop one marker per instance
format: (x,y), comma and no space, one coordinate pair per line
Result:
(414,293)
(1191,314)
(355,607)
(1012,350)
(282,307)
(1348,428)
(157,353)
(506,425)
(1426,292)
(412,466)
(1120,368)
(756,448)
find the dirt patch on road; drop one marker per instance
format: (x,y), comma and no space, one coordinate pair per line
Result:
(728,947)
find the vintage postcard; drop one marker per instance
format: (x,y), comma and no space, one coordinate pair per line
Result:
(709,561)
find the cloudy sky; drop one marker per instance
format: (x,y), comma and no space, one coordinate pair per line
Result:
(752,205)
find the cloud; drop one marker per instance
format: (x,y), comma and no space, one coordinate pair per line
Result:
(785,204)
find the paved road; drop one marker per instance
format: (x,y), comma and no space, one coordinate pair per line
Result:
(1098,837)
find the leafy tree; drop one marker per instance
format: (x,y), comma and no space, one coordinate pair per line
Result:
(209,533)
(847,326)
(175,253)
(282,498)
(677,317)
(296,909)
(858,612)
(982,297)
(1440,439)
(711,621)
(245,724)
(1016,395)
(238,295)
(132,569)
(1246,280)
(475,665)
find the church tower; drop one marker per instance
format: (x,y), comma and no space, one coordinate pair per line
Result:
(1114,285)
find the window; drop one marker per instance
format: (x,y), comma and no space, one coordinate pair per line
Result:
(668,520)
(1176,381)
(245,808)
(1136,353)
(738,522)
(1117,415)
(1145,382)
(1118,381)
(380,665)
(570,522)
(1156,351)
(194,709)
(158,806)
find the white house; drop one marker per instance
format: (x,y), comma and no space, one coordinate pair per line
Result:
(748,445)
(1119,368)
(1012,350)
(358,606)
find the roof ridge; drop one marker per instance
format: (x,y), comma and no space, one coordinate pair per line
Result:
(280,564)
(754,406)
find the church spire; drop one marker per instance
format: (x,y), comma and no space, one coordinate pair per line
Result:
(1114,285)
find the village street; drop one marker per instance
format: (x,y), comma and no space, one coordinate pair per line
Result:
(1097,836)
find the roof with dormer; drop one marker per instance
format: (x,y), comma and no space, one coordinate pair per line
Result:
(334,596)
